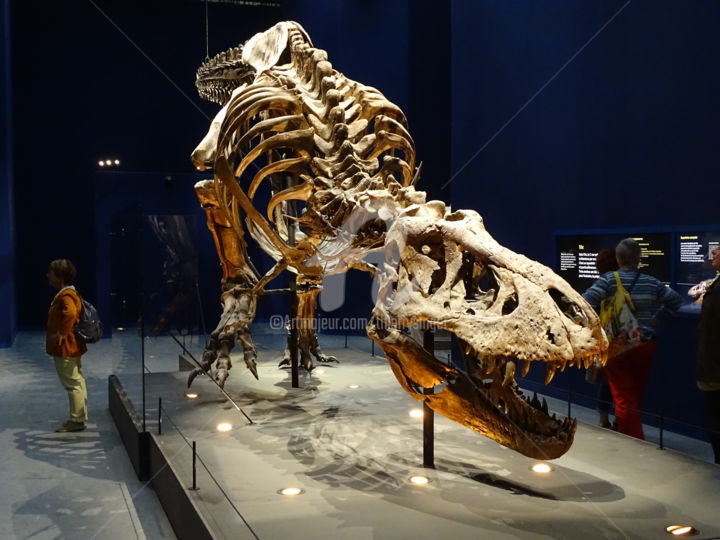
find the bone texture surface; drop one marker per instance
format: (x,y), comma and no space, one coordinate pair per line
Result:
(320,172)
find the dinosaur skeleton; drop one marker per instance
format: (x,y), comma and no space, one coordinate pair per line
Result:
(336,166)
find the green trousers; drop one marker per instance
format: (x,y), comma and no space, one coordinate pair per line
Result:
(69,371)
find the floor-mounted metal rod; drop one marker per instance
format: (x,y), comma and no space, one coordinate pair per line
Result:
(194,467)
(159,416)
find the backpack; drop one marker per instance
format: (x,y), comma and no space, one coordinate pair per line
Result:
(617,317)
(89,327)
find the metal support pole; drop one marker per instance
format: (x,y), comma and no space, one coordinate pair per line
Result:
(569,403)
(293,335)
(346,341)
(194,468)
(372,347)
(428,413)
(159,416)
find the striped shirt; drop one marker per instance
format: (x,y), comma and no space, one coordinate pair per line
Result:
(650,296)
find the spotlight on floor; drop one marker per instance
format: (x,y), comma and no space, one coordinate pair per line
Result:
(419,480)
(120,329)
(416,413)
(290,491)
(319,371)
(224,426)
(681,530)
(191,395)
(541,468)
(354,386)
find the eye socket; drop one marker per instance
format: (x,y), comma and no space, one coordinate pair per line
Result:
(510,304)
(479,282)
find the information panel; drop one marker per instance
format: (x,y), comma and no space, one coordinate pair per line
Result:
(578,253)
(693,265)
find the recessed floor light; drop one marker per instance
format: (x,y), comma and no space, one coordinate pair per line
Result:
(191,395)
(224,426)
(291,491)
(681,530)
(353,386)
(419,480)
(319,371)
(541,468)
(416,413)
(119,329)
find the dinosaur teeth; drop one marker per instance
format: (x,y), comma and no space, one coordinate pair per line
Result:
(489,364)
(535,402)
(550,372)
(588,361)
(509,373)
(525,368)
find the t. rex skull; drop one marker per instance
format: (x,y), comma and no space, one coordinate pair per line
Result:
(446,271)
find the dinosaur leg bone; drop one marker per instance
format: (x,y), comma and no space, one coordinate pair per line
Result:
(308,290)
(238,313)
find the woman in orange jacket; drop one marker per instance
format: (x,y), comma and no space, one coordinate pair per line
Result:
(63,346)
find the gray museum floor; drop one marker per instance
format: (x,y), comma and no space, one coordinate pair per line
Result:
(66,485)
(345,437)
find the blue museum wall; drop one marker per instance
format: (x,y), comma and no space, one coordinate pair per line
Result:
(95,80)
(7,232)
(553,129)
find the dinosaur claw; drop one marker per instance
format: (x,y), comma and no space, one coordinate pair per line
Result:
(221,376)
(194,373)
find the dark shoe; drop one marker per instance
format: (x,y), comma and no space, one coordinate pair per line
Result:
(70,426)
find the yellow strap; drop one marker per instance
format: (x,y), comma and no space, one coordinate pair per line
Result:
(624,291)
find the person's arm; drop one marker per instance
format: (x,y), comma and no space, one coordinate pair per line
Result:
(669,300)
(596,293)
(68,319)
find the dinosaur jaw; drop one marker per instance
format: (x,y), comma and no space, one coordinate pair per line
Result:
(485,398)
